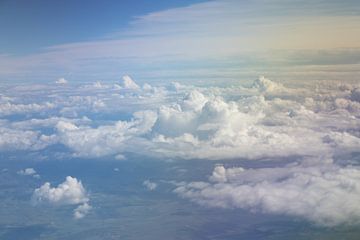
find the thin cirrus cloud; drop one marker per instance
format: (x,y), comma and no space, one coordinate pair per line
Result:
(212,30)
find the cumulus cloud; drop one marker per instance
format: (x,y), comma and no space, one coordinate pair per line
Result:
(150,185)
(28,172)
(82,210)
(105,140)
(266,85)
(10,108)
(70,192)
(319,191)
(128,83)
(61,81)
(17,139)
(266,119)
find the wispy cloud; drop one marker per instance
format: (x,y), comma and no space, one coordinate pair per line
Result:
(211,30)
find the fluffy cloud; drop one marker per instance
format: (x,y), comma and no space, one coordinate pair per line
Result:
(150,185)
(9,108)
(82,210)
(17,139)
(321,192)
(105,140)
(266,119)
(266,85)
(28,172)
(61,81)
(128,83)
(70,192)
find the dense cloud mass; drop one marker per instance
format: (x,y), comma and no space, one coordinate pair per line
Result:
(320,191)
(264,120)
(184,121)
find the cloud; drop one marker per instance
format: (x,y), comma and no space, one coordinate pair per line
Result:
(105,140)
(28,172)
(61,81)
(8,108)
(128,83)
(16,139)
(150,185)
(82,210)
(190,122)
(266,85)
(70,192)
(319,191)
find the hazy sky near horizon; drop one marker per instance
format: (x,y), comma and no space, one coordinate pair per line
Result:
(91,41)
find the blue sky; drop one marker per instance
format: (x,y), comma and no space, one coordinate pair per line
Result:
(31,25)
(176,40)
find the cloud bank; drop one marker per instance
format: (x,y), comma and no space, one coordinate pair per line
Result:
(264,120)
(319,191)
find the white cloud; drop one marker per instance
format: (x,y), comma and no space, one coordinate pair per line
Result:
(61,81)
(105,140)
(128,83)
(82,210)
(265,85)
(319,191)
(9,108)
(16,139)
(150,185)
(266,119)
(28,172)
(70,192)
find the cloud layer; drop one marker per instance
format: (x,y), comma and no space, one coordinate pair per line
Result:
(265,119)
(311,123)
(319,191)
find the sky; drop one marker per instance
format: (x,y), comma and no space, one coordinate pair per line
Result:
(180,119)
(175,39)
